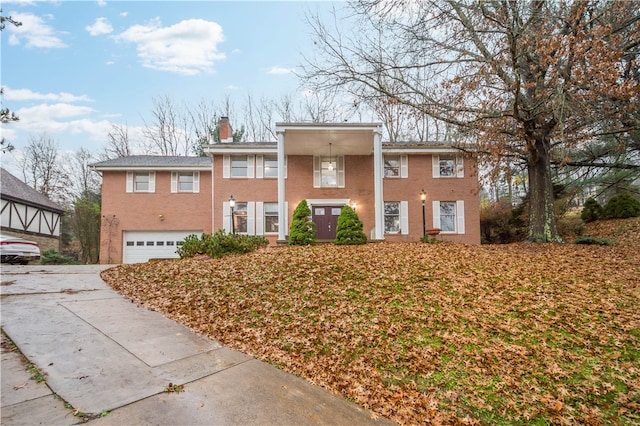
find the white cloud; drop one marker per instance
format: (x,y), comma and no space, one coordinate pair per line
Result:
(48,112)
(33,32)
(232,87)
(101,26)
(279,70)
(29,95)
(189,47)
(102,3)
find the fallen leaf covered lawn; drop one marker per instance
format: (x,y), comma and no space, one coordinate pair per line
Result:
(419,333)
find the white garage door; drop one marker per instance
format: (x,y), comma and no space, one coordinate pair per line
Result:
(140,246)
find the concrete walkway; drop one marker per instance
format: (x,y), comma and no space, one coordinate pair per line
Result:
(102,355)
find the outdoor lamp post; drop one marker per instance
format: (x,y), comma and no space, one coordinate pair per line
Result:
(423,197)
(232,204)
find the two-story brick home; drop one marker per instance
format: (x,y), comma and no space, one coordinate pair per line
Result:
(253,188)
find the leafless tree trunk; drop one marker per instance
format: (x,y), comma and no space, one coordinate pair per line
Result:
(170,132)
(43,169)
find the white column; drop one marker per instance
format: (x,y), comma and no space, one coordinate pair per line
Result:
(282,210)
(377,185)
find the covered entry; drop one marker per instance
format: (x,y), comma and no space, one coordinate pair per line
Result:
(326,220)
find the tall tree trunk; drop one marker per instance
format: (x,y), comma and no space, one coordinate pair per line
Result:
(542,219)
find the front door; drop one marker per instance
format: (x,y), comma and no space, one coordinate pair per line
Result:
(326,220)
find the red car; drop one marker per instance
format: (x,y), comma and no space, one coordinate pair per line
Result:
(17,250)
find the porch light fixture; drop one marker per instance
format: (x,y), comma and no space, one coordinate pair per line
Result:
(423,197)
(330,168)
(232,205)
(354,205)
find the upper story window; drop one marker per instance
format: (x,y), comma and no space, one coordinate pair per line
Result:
(141,182)
(328,172)
(238,166)
(270,166)
(448,165)
(185,182)
(396,166)
(391,166)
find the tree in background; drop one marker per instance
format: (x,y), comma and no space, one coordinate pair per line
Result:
(531,82)
(349,229)
(303,230)
(45,170)
(6,116)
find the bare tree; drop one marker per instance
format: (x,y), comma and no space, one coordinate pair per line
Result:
(85,179)
(6,116)
(117,143)
(43,169)
(170,132)
(528,80)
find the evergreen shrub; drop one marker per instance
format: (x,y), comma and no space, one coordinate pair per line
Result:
(349,230)
(220,244)
(621,207)
(591,211)
(303,230)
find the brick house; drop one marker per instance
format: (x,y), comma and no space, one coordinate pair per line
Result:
(148,198)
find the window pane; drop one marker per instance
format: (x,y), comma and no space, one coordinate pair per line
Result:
(239,166)
(392,217)
(391,166)
(447,166)
(270,167)
(141,182)
(270,217)
(328,177)
(185,182)
(240,216)
(447,216)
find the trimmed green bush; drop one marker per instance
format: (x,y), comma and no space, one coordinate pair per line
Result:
(349,230)
(220,244)
(621,207)
(591,211)
(303,230)
(52,257)
(585,239)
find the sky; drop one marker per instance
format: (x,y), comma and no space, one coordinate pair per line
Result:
(75,68)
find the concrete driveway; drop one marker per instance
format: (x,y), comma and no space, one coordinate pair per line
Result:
(110,361)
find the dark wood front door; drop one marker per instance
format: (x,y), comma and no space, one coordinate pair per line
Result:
(326,220)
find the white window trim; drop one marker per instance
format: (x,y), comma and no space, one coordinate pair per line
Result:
(403,167)
(260,167)
(317,172)
(459,222)
(459,166)
(174,183)
(130,184)
(226,167)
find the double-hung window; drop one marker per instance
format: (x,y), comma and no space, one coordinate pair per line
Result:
(392,217)
(141,182)
(270,217)
(396,166)
(396,219)
(328,172)
(448,165)
(240,218)
(448,216)
(238,166)
(185,182)
(270,164)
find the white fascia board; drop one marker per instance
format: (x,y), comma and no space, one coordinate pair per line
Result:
(241,150)
(154,168)
(414,150)
(283,127)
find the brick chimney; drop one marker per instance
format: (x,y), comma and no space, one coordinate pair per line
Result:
(226,133)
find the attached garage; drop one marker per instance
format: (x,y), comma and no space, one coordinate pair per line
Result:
(142,246)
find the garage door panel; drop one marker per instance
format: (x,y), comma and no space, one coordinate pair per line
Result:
(142,246)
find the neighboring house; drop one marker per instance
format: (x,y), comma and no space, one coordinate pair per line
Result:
(329,165)
(26,213)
